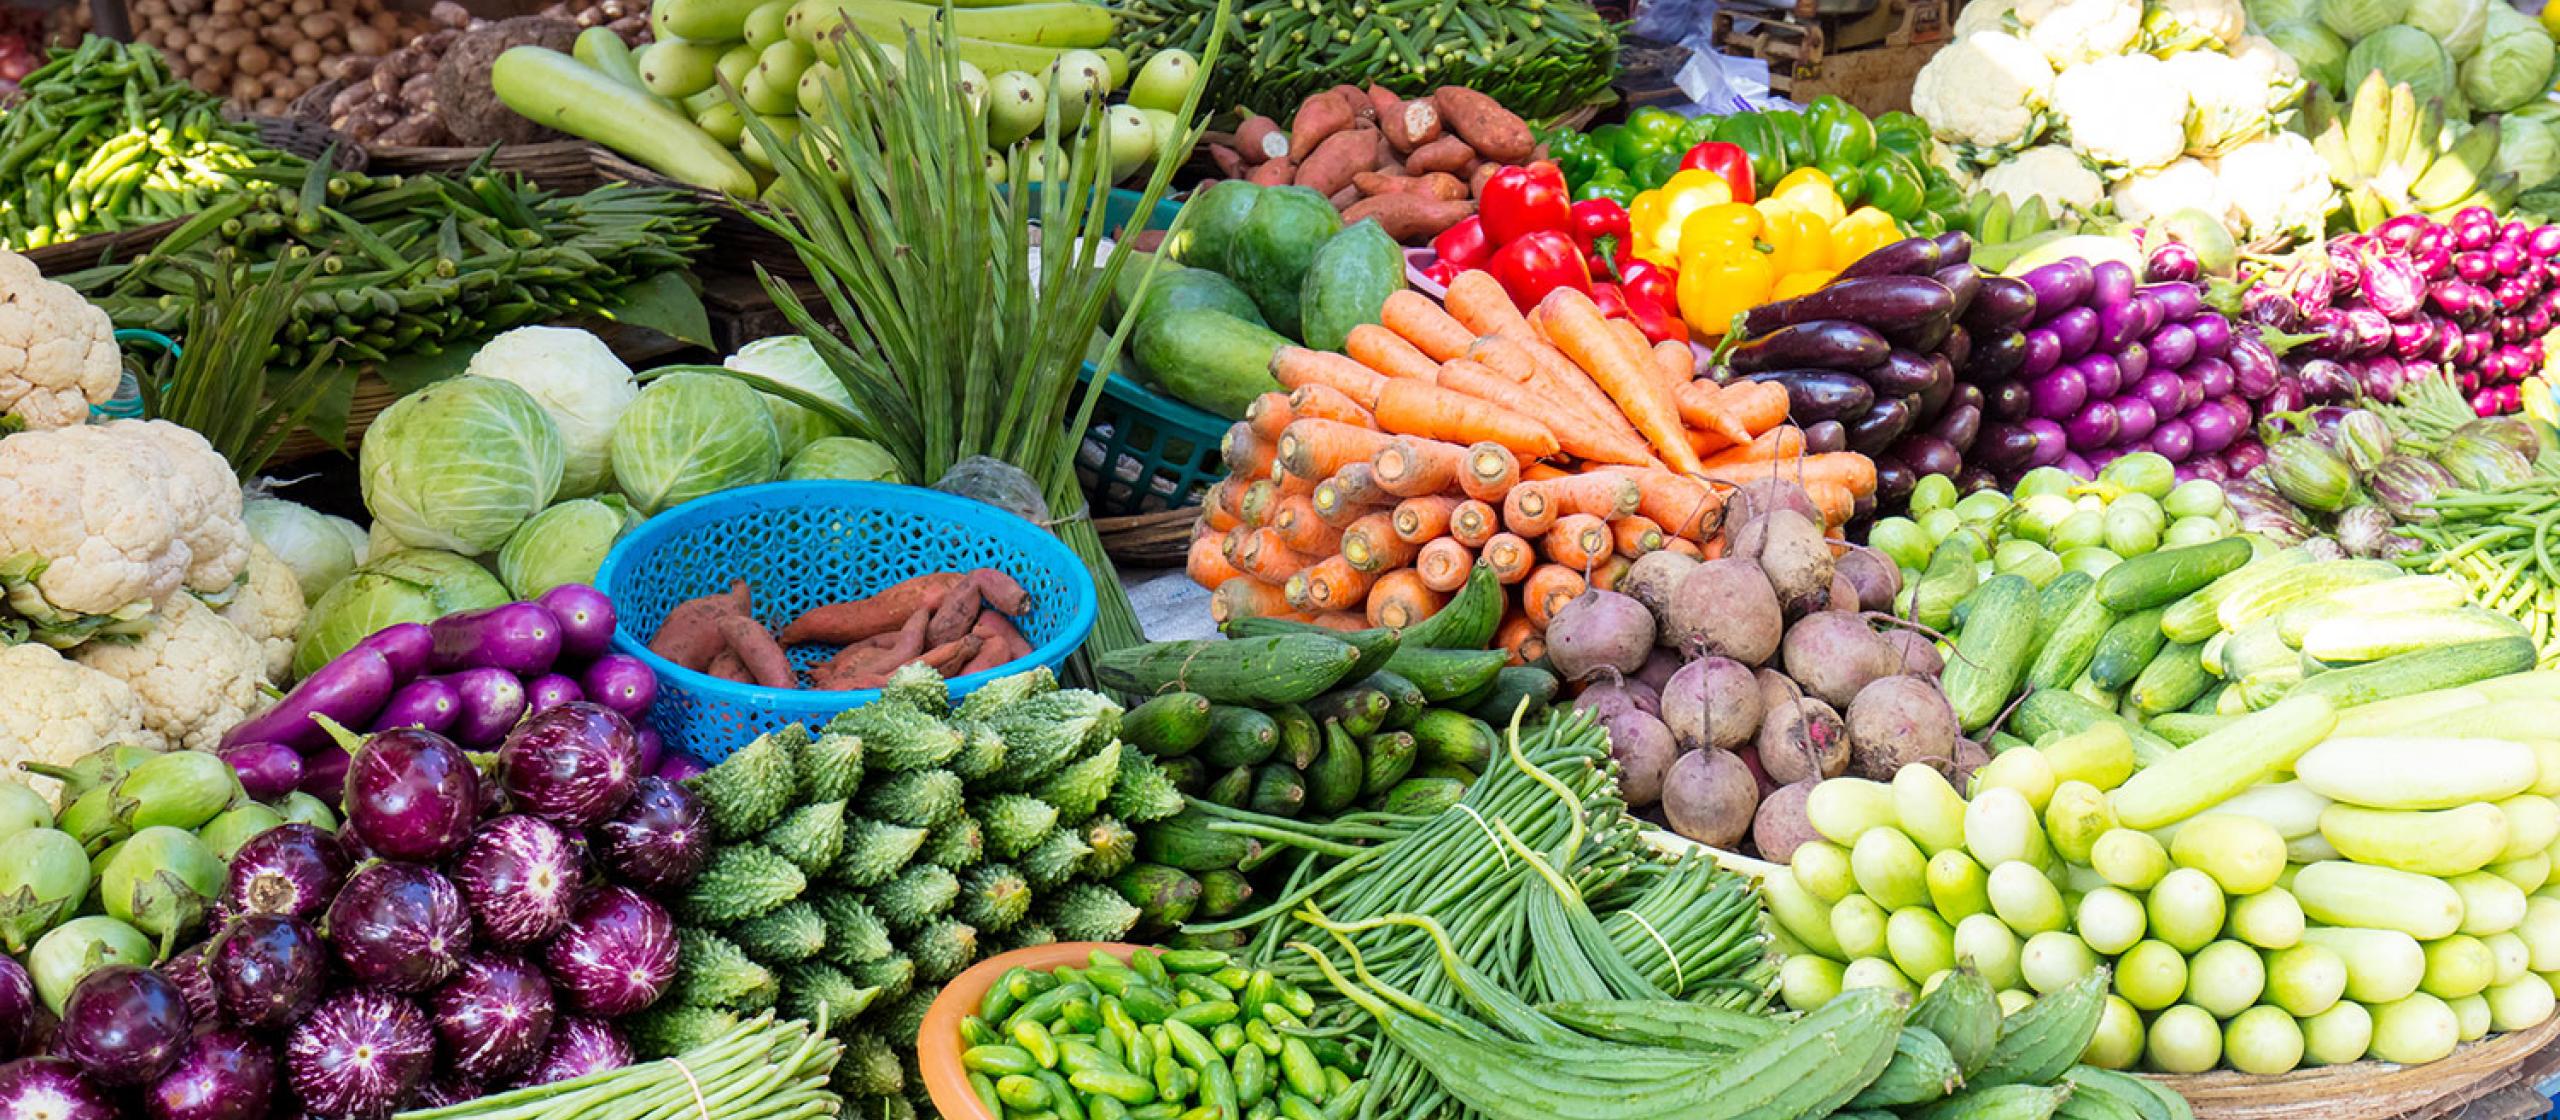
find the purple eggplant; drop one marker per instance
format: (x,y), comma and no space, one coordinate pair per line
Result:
(428,704)
(578,1046)
(493,1017)
(2075,330)
(677,766)
(2172,260)
(124,1025)
(586,618)
(1954,247)
(444,1088)
(405,645)
(2212,335)
(17,1008)
(492,702)
(2004,304)
(2052,444)
(49,1088)
(2044,353)
(1894,480)
(622,683)
(1821,394)
(2093,427)
(189,971)
(2214,376)
(324,773)
(548,691)
(359,1056)
(2164,392)
(653,749)
(1895,305)
(1930,455)
(2393,284)
(2111,284)
(1964,282)
(2132,362)
(2134,419)
(2059,286)
(2172,346)
(1824,436)
(221,1074)
(268,971)
(1881,426)
(1958,426)
(2010,400)
(412,795)
(399,926)
(349,690)
(2175,301)
(2174,440)
(2120,324)
(1902,373)
(1958,348)
(2061,393)
(267,770)
(575,764)
(291,870)
(2101,374)
(521,638)
(1997,357)
(520,876)
(1911,256)
(1822,344)
(1932,398)
(2006,448)
(616,956)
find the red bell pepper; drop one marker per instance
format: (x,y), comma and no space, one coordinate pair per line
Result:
(1464,244)
(1539,263)
(1600,227)
(1657,321)
(1610,299)
(1650,282)
(1519,201)
(1441,272)
(1725,161)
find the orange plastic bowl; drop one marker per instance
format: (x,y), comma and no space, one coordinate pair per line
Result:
(938,1041)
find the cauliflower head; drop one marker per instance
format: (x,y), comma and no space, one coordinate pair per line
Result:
(55,710)
(2226,101)
(57,351)
(2279,72)
(2123,111)
(88,535)
(196,674)
(2170,26)
(2184,185)
(268,607)
(2277,186)
(207,495)
(2050,172)
(2070,32)
(1983,90)
(1985,15)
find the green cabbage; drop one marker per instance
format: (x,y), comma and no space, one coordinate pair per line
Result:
(2355,19)
(416,585)
(578,380)
(2268,13)
(2527,148)
(2319,51)
(563,544)
(319,554)
(789,359)
(2508,70)
(2455,23)
(692,434)
(844,457)
(460,464)
(2402,54)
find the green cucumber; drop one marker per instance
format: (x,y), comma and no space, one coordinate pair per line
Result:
(2071,640)
(1949,579)
(2059,710)
(2127,646)
(2183,728)
(2297,585)
(1442,674)
(1165,896)
(1335,781)
(554,89)
(1387,757)
(1232,789)
(1186,840)
(1455,738)
(2054,602)
(1168,726)
(2172,681)
(1375,646)
(1991,654)
(1300,737)
(2157,579)
(1239,736)
(2424,670)
(1223,893)
(1282,669)
(1405,701)
(1423,796)
(1467,620)
(1347,284)
(2196,617)
(1360,709)
(1278,791)
(1513,686)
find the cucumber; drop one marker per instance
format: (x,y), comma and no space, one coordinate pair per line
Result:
(1188,774)
(1272,251)
(2037,1044)
(2182,728)
(1282,669)
(1467,620)
(2256,648)
(1209,224)
(2300,584)
(1232,789)
(703,21)
(1423,796)
(2126,647)
(2219,766)
(602,47)
(1207,358)
(1168,726)
(1165,896)
(2391,596)
(1223,893)
(1335,781)
(1991,654)
(553,89)
(1347,284)
(2172,681)
(2424,670)
(2160,578)
(1386,758)
(2056,710)
(1455,739)
(1513,686)
(1405,701)
(1948,580)
(1239,736)
(1445,673)
(2054,602)
(2071,639)
(1375,646)
(1358,709)
(2194,618)
(1278,791)
(1301,738)
(1186,840)
(2371,637)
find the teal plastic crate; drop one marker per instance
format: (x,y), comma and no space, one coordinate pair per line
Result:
(1146,452)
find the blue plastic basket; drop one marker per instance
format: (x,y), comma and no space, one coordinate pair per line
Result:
(802,544)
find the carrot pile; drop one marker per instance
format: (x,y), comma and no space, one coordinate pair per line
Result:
(956,622)
(1554,446)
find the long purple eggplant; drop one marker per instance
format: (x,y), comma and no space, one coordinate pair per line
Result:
(405,645)
(1911,256)
(1821,344)
(1821,394)
(1903,373)
(349,689)
(428,703)
(1880,427)
(1964,282)
(1890,304)
(1958,426)
(1997,357)
(2004,303)
(267,770)
(2010,400)
(521,638)
(1954,247)
(1823,436)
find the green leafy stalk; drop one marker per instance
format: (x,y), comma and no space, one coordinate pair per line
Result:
(221,382)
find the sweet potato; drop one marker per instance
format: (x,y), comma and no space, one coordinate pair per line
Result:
(1230,161)
(1493,131)
(1439,184)
(1146,240)
(1001,591)
(1409,124)
(728,667)
(1712,703)
(1709,797)
(1319,117)
(1332,164)
(1446,154)
(990,655)
(1780,827)
(958,612)
(1803,741)
(691,634)
(1000,634)
(1382,101)
(1363,111)
(756,649)
(1477,174)
(1274,173)
(1259,139)
(1644,752)
(848,622)
(1898,721)
(1409,219)
(1345,198)
(948,657)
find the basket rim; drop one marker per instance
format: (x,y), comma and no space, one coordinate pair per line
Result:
(960,511)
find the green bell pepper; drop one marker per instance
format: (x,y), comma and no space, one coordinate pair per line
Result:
(1848,180)
(1609,140)
(1894,185)
(1838,131)
(1611,184)
(1904,135)
(1657,168)
(1795,136)
(1759,139)
(1576,156)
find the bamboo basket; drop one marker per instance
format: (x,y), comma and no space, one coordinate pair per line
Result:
(558,165)
(1161,539)
(2371,1090)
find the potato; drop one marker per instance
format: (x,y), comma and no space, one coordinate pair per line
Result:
(1726,608)
(1803,741)
(1897,721)
(1709,797)
(1712,703)
(1833,655)
(1643,750)
(1780,827)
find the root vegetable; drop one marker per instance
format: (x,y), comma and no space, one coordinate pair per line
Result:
(1750,756)
(1712,703)
(1409,124)
(1409,219)
(1610,697)
(1318,119)
(1344,198)
(1259,138)
(1780,827)
(1497,133)
(1659,667)
(1775,688)
(1709,797)
(691,634)
(1230,162)
(1919,655)
(1876,578)
(1274,173)
(1843,595)
(1790,548)
(1330,167)
(854,620)
(756,649)
(1726,608)
(1599,631)
(1834,655)
(1761,496)
(1803,741)
(1969,757)
(1643,750)
(1650,581)
(1363,110)
(1447,154)
(1437,185)
(1898,721)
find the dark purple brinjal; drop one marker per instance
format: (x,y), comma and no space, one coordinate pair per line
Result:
(492,702)
(405,646)
(2172,346)
(2010,400)
(2006,448)
(1964,282)
(660,839)
(2093,427)
(124,1024)
(1894,480)
(1901,374)
(428,704)
(622,683)
(349,690)
(493,1016)
(1929,455)
(291,869)
(1954,247)
(324,774)
(2004,304)
(586,620)
(1824,436)
(45,1088)
(1932,398)
(267,770)
(1874,432)
(1890,304)
(399,926)
(616,956)
(578,1046)
(2212,334)
(653,750)
(222,1074)
(268,970)
(1958,348)
(1997,357)
(548,691)
(359,1055)
(1911,256)
(1958,426)
(575,764)
(188,970)
(520,876)
(17,1008)
(677,766)
(1821,394)
(1820,344)
(521,638)
(412,795)
(2059,286)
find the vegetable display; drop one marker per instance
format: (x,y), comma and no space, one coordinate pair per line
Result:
(2473,57)
(396,99)
(1884,161)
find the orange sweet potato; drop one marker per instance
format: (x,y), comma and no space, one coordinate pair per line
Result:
(1319,117)
(756,649)
(1493,131)
(848,622)
(1259,138)
(1446,154)
(691,634)
(1409,218)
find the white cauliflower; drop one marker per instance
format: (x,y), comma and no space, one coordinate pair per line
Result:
(88,535)
(205,492)
(2050,172)
(2279,72)
(2226,101)
(2170,26)
(196,674)
(2276,186)
(2070,32)
(2123,111)
(1985,15)
(268,607)
(2184,185)
(1983,90)
(57,351)
(55,710)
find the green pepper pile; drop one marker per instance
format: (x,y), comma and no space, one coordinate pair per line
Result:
(1881,162)
(104,138)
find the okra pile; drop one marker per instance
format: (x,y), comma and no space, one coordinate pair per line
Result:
(104,138)
(1181,1034)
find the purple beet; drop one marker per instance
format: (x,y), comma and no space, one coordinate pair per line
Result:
(493,1017)
(268,971)
(292,870)
(412,795)
(359,1055)
(222,1074)
(399,926)
(659,840)
(124,1024)
(573,765)
(578,1047)
(616,955)
(521,876)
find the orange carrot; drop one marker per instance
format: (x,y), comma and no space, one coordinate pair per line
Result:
(1424,324)
(1443,564)
(1510,555)
(1572,431)
(1420,408)
(1400,599)
(1533,506)
(1606,574)
(1419,519)
(1848,468)
(1371,544)
(1520,637)
(1678,363)
(1625,373)
(1477,300)
(1547,590)
(1301,529)
(1287,484)
(1387,352)
(1246,597)
(1561,379)
(1685,547)
(1735,412)
(1207,563)
(1783,442)
(1217,509)
(1332,584)
(1269,559)
(1245,454)
(1296,367)
(1261,499)
(1268,414)
(1412,465)
(1630,336)
(1351,493)
(1836,502)
(1543,472)
(1472,523)
(1683,507)
(1634,535)
(1713,549)
(1314,449)
(1577,541)
(1324,402)
(1491,471)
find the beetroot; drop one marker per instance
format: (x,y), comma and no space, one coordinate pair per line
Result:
(659,840)
(412,795)
(1898,721)
(1833,654)
(493,1017)
(222,1074)
(1780,826)
(1643,750)
(187,970)
(1599,632)
(521,876)
(616,955)
(1802,741)
(1709,796)
(572,765)
(1659,665)
(1711,703)
(42,1088)
(399,926)
(1726,608)
(1651,579)
(1919,655)
(268,970)
(1608,698)
(359,1055)
(577,1048)
(1874,576)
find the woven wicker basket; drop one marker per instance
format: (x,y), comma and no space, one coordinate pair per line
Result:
(2369,1090)
(733,235)
(559,165)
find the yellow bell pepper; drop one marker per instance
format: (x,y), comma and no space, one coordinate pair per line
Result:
(1799,241)
(1722,286)
(1726,221)
(1864,231)
(1795,284)
(1657,216)
(1803,177)
(1811,189)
